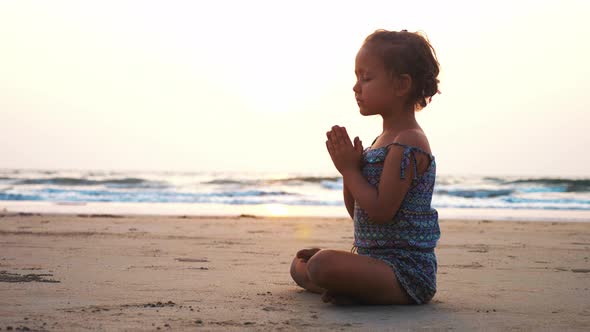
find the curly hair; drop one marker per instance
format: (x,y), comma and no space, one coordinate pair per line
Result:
(409,53)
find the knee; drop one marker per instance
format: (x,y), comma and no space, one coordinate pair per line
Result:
(321,268)
(294,268)
(297,276)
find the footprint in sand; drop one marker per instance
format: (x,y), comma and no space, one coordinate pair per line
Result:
(193,260)
(6,276)
(581,270)
(272,308)
(474,265)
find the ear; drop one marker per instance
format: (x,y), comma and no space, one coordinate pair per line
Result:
(403,85)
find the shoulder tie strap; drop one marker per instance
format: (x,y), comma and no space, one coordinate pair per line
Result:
(406,161)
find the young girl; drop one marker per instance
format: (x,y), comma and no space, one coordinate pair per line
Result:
(387,187)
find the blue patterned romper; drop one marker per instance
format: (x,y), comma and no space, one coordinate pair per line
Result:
(407,242)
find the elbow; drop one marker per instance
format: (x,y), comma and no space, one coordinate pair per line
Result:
(378,221)
(380,218)
(383,215)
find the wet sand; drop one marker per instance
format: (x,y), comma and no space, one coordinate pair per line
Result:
(137,273)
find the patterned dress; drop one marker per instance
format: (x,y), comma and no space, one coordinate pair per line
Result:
(407,242)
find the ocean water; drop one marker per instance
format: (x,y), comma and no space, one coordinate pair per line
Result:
(220,192)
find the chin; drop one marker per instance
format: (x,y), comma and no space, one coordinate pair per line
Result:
(364,112)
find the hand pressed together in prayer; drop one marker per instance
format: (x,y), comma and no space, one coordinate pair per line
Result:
(345,155)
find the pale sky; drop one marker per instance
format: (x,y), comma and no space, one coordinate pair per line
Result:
(255,85)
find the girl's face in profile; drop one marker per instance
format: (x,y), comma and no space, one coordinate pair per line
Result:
(374,89)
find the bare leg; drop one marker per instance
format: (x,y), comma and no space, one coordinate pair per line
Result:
(299,274)
(345,275)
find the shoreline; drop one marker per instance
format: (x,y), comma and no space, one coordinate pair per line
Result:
(276,210)
(220,273)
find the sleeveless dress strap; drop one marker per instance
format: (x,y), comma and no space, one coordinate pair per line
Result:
(407,157)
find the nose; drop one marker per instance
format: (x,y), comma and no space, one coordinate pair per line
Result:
(356,87)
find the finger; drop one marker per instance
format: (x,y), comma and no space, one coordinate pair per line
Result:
(330,134)
(335,146)
(358,145)
(334,138)
(342,133)
(345,136)
(330,147)
(338,135)
(333,131)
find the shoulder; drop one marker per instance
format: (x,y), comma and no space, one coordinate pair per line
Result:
(414,138)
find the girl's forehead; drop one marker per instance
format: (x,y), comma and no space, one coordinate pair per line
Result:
(367,59)
(364,52)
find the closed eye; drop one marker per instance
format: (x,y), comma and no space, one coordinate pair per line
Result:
(362,76)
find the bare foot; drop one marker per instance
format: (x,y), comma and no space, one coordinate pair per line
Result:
(306,254)
(338,299)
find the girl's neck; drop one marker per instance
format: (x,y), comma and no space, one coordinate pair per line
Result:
(396,122)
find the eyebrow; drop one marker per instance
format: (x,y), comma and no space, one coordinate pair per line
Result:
(362,72)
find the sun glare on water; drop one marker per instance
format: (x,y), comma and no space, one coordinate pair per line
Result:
(276,210)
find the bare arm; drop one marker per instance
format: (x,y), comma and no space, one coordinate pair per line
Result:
(383,202)
(348,201)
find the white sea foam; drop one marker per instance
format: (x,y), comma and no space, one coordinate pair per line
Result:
(310,192)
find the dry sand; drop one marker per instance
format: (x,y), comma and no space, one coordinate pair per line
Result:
(136,273)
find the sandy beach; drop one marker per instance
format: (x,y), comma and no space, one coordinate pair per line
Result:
(136,273)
